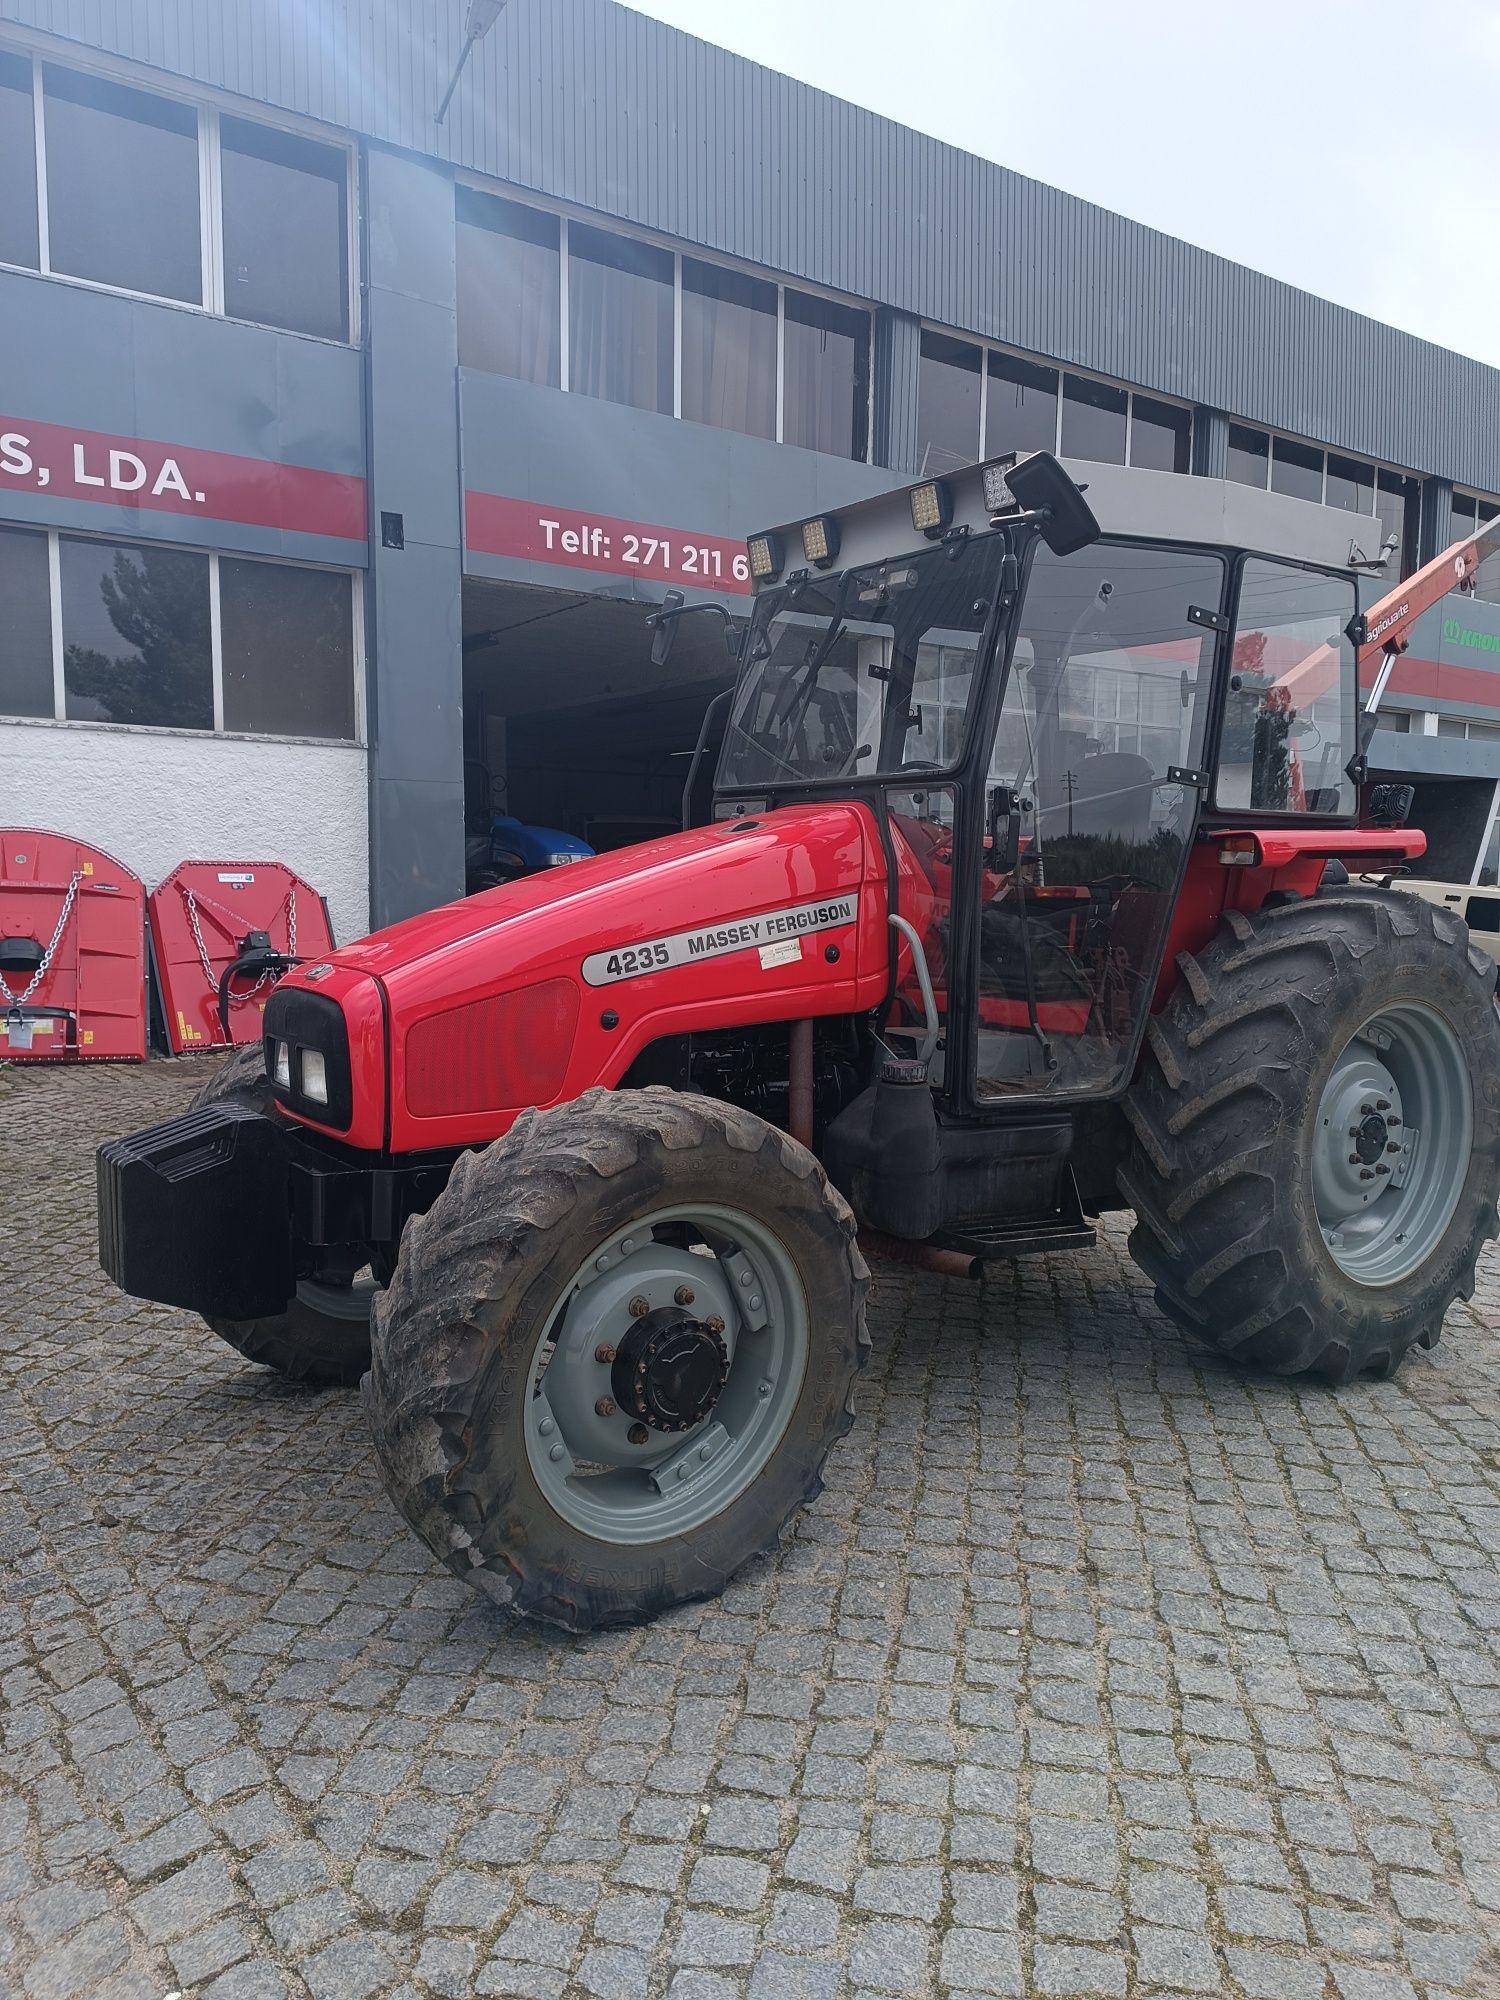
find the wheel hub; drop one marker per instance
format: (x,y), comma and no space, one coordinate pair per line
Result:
(669,1369)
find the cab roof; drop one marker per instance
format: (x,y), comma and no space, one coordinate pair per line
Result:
(1126,500)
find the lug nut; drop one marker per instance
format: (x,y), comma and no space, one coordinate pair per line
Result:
(1393,1146)
(639,1307)
(684,1295)
(1382,1104)
(638,1434)
(1367,1173)
(1354,1159)
(1382,1168)
(605,1407)
(1393,1122)
(604,1352)
(714,1323)
(1366,1110)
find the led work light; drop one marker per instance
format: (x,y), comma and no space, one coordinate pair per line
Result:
(931,507)
(998,498)
(820,541)
(766,556)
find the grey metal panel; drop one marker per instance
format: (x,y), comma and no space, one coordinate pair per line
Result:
(576,451)
(416,734)
(589,102)
(99,361)
(1434,756)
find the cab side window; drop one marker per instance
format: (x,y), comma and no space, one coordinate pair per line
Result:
(1288,728)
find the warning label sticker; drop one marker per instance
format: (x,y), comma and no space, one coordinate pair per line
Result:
(634,961)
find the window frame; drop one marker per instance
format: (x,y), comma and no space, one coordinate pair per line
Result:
(1214,740)
(566,213)
(1063,371)
(1375,466)
(207,108)
(60,719)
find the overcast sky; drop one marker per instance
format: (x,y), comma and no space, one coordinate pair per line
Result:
(1349,146)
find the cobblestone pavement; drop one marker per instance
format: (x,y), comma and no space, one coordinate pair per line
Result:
(1098,1669)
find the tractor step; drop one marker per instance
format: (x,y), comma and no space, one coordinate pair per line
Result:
(1021,1238)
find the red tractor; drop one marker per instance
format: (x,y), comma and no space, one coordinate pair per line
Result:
(1027,897)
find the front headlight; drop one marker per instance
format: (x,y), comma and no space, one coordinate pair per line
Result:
(562,860)
(281,1073)
(314,1076)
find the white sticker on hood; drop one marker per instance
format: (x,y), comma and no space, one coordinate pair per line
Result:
(633,961)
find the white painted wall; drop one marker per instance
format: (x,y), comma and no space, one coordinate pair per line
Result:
(153,799)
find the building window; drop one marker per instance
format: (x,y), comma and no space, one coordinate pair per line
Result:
(949,382)
(286,232)
(26,686)
(19,238)
(167,638)
(509,296)
(1249,456)
(1161,435)
(1020,406)
(550,300)
(728,349)
(1093,420)
(1470,513)
(1398,502)
(825,376)
(122,186)
(1351,484)
(1307,472)
(980,402)
(620,313)
(288,640)
(1296,469)
(106,182)
(136,628)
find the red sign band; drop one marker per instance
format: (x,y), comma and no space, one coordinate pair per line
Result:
(179,479)
(535,532)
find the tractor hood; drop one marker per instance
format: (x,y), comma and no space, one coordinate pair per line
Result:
(530,993)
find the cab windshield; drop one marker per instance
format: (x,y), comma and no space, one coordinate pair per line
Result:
(864,674)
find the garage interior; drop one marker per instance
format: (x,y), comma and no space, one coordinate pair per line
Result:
(568,724)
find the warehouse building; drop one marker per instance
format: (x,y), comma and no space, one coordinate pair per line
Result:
(345,449)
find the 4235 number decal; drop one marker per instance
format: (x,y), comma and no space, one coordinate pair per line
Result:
(771,927)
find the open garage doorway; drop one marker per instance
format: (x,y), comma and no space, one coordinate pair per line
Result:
(568,725)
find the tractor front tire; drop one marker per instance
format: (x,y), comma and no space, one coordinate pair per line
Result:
(324,1334)
(615,1352)
(1315,1156)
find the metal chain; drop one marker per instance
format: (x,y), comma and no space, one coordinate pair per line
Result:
(14,1000)
(267,978)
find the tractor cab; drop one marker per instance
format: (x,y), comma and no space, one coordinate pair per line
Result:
(1050,692)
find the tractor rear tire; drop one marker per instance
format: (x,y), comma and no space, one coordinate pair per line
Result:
(495,1397)
(1244,1157)
(308,1342)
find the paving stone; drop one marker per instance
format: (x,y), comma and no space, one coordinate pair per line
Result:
(1094,1653)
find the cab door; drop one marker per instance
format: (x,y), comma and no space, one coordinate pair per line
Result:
(1092,795)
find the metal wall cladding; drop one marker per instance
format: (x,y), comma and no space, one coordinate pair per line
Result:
(594,104)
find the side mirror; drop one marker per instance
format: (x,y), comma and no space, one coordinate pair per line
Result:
(663,626)
(1042,487)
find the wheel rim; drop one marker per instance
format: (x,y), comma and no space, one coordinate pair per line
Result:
(1392,1143)
(593,1464)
